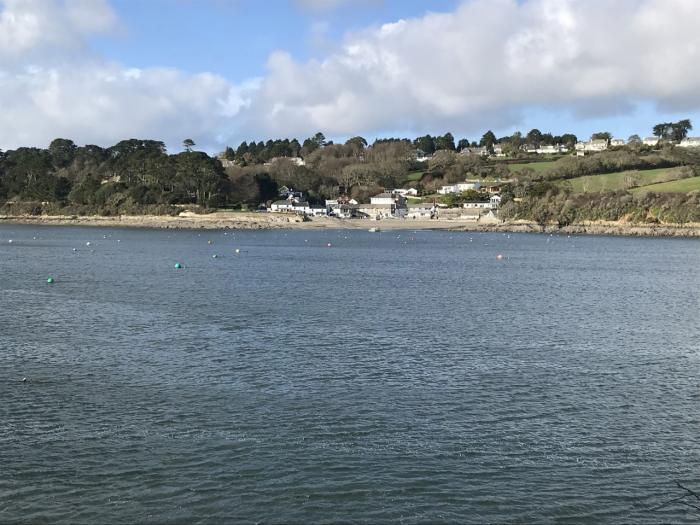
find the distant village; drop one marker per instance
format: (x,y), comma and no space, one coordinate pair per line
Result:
(405,203)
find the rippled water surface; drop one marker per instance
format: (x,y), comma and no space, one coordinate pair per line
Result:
(403,377)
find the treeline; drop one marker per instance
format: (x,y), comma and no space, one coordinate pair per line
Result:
(139,176)
(133,176)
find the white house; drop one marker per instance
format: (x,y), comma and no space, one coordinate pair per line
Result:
(291,206)
(376,211)
(460,187)
(405,192)
(591,146)
(498,151)
(551,149)
(422,210)
(690,142)
(495,201)
(617,142)
(482,151)
(385,198)
(650,141)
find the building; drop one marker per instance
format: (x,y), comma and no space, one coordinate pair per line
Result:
(460,187)
(481,152)
(617,142)
(405,192)
(498,151)
(421,156)
(480,205)
(650,141)
(421,210)
(689,142)
(227,163)
(385,198)
(291,205)
(495,201)
(551,149)
(591,146)
(376,211)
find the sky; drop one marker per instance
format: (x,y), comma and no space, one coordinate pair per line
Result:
(223,71)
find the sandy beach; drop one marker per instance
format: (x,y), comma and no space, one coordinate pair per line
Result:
(263,221)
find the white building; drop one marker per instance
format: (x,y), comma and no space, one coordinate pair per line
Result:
(460,187)
(551,150)
(376,211)
(690,142)
(617,142)
(422,210)
(650,141)
(594,145)
(495,202)
(404,192)
(477,205)
(291,206)
(385,198)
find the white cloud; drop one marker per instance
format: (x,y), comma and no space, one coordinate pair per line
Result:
(52,86)
(479,66)
(464,71)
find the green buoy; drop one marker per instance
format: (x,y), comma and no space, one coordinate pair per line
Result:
(49,280)
(178,266)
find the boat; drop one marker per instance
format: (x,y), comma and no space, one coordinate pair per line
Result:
(374,230)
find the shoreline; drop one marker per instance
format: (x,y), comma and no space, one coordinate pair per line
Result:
(255,221)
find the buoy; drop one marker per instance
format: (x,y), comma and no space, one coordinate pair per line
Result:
(329,245)
(87,243)
(24,380)
(214,256)
(238,251)
(178,266)
(208,242)
(499,256)
(49,280)
(75,249)
(10,241)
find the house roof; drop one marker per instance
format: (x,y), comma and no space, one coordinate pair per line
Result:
(385,195)
(374,206)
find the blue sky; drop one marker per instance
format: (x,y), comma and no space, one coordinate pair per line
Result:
(221,71)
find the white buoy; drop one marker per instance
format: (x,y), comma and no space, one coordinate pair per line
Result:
(10,241)
(87,243)
(238,250)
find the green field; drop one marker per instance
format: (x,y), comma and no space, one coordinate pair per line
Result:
(537,167)
(414,176)
(676,186)
(622,180)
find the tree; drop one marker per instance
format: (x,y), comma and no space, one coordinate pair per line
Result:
(602,135)
(634,140)
(534,137)
(680,129)
(447,142)
(188,144)
(488,140)
(62,152)
(463,143)
(319,139)
(426,144)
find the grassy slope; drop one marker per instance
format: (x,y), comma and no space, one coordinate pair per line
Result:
(621,180)
(537,167)
(676,186)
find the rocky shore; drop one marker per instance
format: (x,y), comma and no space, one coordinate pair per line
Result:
(267,221)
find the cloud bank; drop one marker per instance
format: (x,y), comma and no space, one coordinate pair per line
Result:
(475,68)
